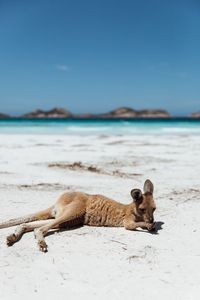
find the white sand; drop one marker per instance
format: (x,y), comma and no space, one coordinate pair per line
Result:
(102,263)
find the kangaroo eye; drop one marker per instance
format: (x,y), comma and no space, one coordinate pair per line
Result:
(142,210)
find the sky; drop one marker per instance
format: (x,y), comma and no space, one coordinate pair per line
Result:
(97,55)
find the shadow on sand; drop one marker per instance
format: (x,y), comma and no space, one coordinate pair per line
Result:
(158,227)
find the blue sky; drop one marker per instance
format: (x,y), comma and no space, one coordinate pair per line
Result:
(96,55)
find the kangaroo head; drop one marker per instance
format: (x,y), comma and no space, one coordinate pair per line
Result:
(144,202)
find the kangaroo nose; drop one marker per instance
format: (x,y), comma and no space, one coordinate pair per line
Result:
(152,220)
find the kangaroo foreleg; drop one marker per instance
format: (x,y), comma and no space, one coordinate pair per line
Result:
(129,224)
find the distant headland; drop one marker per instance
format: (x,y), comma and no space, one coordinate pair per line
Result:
(118,113)
(4,116)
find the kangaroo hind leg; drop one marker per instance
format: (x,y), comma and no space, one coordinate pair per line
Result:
(72,214)
(21,229)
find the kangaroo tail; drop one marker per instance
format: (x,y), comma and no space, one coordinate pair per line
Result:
(42,215)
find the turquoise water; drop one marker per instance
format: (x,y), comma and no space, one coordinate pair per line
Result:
(94,127)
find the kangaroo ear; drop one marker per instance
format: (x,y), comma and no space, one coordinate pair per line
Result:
(148,186)
(136,194)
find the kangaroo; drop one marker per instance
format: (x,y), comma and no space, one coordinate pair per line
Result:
(77,208)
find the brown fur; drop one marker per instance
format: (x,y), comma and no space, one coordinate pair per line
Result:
(76,208)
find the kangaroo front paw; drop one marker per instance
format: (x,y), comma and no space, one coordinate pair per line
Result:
(151,226)
(11,239)
(43,246)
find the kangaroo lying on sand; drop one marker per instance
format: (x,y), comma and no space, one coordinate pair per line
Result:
(76,208)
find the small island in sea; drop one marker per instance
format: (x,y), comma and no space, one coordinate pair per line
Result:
(55,113)
(4,116)
(195,115)
(126,112)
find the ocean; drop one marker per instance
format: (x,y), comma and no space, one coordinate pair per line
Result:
(179,126)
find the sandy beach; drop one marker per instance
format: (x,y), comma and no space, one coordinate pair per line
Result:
(102,263)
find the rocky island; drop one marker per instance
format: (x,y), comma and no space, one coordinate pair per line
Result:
(4,116)
(196,115)
(128,113)
(55,113)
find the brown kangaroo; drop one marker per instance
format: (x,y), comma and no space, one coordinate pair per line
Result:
(76,208)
